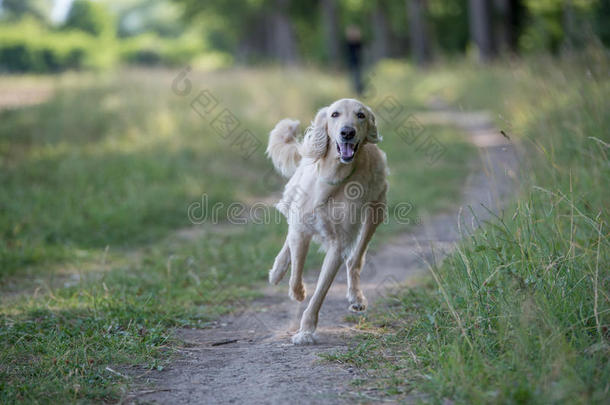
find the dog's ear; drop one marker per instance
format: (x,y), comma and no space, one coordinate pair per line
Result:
(315,142)
(372,135)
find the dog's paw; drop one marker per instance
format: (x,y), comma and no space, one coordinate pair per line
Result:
(303,338)
(357,302)
(297,292)
(357,307)
(276,275)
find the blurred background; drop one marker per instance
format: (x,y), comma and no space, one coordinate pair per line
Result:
(106,139)
(113,153)
(101,142)
(48,36)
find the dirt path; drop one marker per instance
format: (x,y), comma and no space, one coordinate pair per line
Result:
(248,358)
(14,95)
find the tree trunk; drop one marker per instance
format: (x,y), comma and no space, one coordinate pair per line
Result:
(331,37)
(480,28)
(282,38)
(569,24)
(502,26)
(380,45)
(418,31)
(508,24)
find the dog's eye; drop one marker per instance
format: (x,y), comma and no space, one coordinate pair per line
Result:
(360,115)
(335,114)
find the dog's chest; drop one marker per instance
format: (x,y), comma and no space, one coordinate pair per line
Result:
(332,212)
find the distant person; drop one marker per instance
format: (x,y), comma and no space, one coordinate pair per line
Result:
(353,38)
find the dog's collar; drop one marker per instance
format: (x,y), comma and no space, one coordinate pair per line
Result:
(336,183)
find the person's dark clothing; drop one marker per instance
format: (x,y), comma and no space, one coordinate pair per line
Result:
(354,51)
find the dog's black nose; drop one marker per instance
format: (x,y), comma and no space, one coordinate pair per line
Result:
(347,133)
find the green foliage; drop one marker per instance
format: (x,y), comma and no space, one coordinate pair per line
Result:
(28,46)
(14,10)
(449,24)
(534,26)
(150,49)
(601,15)
(175,32)
(520,312)
(90,17)
(552,24)
(138,17)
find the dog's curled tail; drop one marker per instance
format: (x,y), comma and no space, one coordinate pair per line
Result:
(283,147)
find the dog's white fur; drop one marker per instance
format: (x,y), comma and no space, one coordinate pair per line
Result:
(317,199)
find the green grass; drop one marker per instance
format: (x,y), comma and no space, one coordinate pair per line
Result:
(57,347)
(520,312)
(97,181)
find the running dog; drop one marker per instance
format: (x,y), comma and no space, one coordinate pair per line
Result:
(335,195)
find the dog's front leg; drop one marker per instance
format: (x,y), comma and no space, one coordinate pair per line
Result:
(299,244)
(309,321)
(355,296)
(374,215)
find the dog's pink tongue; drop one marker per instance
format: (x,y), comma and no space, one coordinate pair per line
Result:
(347,150)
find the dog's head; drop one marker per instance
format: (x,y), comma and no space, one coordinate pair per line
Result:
(340,129)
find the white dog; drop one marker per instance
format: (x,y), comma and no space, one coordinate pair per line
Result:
(336,194)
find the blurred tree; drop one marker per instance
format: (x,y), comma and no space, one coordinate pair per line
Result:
(419,32)
(502,25)
(331,26)
(16,9)
(579,20)
(136,17)
(380,47)
(91,17)
(285,30)
(480,28)
(601,20)
(448,20)
(569,24)
(507,22)
(282,38)
(248,28)
(552,24)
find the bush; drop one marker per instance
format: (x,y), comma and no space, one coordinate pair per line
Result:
(28,47)
(150,49)
(91,18)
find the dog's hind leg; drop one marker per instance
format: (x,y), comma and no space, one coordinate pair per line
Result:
(280,265)
(299,244)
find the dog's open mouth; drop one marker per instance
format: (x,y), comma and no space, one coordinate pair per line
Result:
(347,151)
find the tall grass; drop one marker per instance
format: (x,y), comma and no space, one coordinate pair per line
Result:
(520,312)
